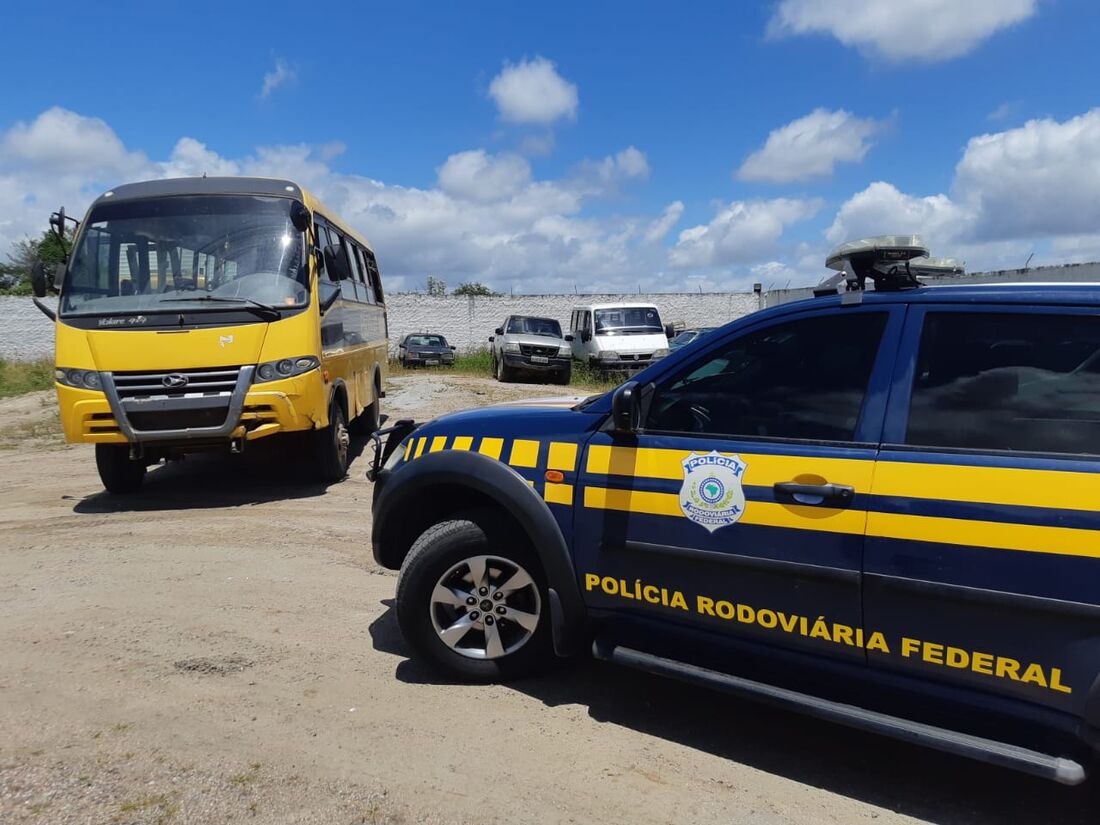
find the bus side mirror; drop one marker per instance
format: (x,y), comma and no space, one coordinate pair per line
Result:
(626,408)
(300,217)
(38,279)
(670,331)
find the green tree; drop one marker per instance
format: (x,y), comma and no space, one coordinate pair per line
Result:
(15,276)
(436,287)
(474,288)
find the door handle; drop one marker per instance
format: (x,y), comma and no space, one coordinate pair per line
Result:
(816,494)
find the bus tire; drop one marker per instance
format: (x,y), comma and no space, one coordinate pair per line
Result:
(367,421)
(119,473)
(440,561)
(330,446)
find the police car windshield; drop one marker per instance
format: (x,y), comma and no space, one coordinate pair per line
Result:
(534,326)
(628,321)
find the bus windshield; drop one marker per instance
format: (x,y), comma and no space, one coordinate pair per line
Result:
(186,253)
(628,321)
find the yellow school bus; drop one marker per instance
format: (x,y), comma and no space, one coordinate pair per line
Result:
(206,313)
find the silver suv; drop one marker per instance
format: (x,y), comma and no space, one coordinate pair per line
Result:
(526,344)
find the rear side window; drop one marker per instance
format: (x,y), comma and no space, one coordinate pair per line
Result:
(803,379)
(1022,382)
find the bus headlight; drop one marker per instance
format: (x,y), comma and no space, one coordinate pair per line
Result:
(81,379)
(285,368)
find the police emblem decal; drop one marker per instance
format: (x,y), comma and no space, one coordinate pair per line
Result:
(711,494)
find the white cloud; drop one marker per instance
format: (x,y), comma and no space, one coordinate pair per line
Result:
(59,158)
(532,91)
(882,209)
(1042,178)
(478,176)
(810,147)
(281,75)
(742,232)
(1004,111)
(1033,187)
(900,30)
(660,227)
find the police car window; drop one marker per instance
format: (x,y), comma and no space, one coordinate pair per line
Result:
(803,379)
(1022,382)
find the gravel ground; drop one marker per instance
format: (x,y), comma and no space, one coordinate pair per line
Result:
(222,648)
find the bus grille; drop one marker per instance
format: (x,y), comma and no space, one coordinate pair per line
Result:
(221,380)
(176,419)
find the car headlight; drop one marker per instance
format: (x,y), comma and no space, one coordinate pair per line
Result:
(511,346)
(285,368)
(412,356)
(565,349)
(609,356)
(661,353)
(397,456)
(81,379)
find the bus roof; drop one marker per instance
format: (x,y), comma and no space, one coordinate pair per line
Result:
(272,187)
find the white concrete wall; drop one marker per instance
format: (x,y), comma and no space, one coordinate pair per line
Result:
(466,321)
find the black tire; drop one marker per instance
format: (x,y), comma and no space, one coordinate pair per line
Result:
(565,375)
(118,472)
(438,550)
(505,374)
(330,446)
(369,420)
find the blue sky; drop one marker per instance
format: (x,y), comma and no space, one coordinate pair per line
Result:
(602,145)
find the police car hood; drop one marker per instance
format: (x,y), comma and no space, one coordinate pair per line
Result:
(519,419)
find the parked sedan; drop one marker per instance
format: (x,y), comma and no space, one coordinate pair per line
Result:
(425,349)
(687,336)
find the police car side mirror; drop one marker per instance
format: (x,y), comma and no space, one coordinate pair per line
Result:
(626,408)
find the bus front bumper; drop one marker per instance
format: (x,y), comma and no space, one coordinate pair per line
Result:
(249,412)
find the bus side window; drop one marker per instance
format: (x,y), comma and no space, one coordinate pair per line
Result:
(364,273)
(375,276)
(322,242)
(355,270)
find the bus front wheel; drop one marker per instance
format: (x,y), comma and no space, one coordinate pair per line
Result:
(118,472)
(330,446)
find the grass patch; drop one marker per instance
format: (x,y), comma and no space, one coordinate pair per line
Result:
(584,378)
(18,377)
(243,780)
(165,807)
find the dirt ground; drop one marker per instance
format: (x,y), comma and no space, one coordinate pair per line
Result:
(222,648)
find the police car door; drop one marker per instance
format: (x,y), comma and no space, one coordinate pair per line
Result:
(983,550)
(738,505)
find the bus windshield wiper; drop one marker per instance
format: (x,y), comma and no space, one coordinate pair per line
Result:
(266,311)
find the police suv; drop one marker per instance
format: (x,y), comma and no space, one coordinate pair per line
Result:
(879,507)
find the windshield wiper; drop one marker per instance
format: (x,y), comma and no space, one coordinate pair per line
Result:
(266,311)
